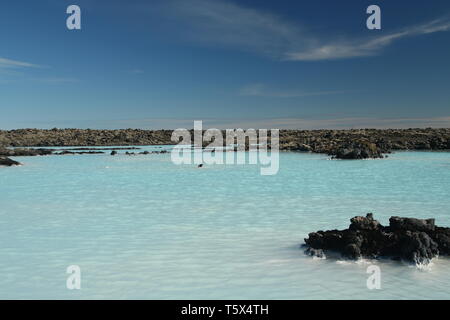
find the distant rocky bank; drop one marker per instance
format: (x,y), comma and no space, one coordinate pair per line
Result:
(83,137)
(409,239)
(21,152)
(340,144)
(364,143)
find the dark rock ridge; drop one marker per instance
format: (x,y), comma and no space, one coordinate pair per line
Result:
(103,149)
(340,144)
(65,152)
(364,143)
(21,152)
(83,137)
(8,162)
(409,239)
(143,153)
(31,152)
(357,150)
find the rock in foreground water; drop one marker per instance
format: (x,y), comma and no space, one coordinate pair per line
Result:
(410,239)
(8,162)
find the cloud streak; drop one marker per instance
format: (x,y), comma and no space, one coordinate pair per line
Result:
(8,63)
(364,48)
(229,24)
(261,90)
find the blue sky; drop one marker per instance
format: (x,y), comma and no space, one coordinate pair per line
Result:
(247,63)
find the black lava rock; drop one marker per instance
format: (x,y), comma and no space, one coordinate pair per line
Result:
(8,162)
(410,239)
(315,252)
(397,223)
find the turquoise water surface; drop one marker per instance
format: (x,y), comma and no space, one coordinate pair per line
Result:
(142,227)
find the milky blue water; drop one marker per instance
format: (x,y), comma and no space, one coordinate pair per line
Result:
(142,227)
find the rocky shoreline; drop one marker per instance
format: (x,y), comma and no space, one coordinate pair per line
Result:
(339,144)
(83,137)
(5,153)
(414,240)
(364,143)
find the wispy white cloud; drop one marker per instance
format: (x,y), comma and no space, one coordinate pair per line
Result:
(55,80)
(227,23)
(8,63)
(363,48)
(14,70)
(136,71)
(261,90)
